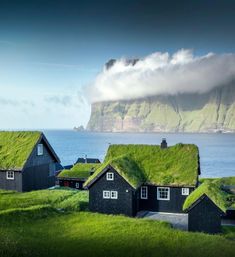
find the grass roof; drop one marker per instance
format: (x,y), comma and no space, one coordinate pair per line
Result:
(15,148)
(213,188)
(126,167)
(176,165)
(79,170)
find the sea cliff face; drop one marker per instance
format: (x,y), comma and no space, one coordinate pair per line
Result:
(210,112)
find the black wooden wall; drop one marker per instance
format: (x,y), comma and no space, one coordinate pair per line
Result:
(71,183)
(174,205)
(39,171)
(205,217)
(125,204)
(8,184)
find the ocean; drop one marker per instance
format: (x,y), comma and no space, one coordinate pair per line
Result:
(217,151)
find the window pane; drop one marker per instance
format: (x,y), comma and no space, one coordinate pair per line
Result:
(109,176)
(163,193)
(144,194)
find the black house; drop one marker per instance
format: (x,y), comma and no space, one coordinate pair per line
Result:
(87,160)
(27,161)
(153,178)
(144,177)
(204,216)
(76,175)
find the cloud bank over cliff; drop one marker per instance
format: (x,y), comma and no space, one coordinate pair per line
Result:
(162,73)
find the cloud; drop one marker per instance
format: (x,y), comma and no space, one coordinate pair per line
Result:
(64,100)
(14,103)
(73,100)
(162,73)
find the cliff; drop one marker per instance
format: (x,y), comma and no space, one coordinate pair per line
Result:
(210,112)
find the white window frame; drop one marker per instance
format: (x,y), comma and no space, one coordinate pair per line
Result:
(106,194)
(158,194)
(10,175)
(77,185)
(109,176)
(40,149)
(142,196)
(185,191)
(114,194)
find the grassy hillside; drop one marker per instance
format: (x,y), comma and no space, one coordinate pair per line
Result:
(58,199)
(46,233)
(44,223)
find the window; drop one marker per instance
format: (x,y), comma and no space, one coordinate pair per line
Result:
(109,176)
(114,195)
(110,194)
(40,149)
(106,194)
(10,175)
(77,185)
(185,191)
(144,192)
(163,193)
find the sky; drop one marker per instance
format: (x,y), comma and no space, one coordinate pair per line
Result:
(53,52)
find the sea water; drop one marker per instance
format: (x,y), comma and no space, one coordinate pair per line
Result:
(217,151)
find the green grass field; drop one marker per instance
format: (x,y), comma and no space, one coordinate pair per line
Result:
(57,223)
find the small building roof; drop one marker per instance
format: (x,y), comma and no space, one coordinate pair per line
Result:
(80,170)
(174,166)
(17,146)
(68,167)
(213,188)
(88,160)
(200,199)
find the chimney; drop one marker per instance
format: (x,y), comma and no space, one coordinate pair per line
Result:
(163,144)
(85,158)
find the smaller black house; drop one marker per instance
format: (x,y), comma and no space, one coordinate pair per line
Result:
(77,175)
(87,160)
(204,216)
(27,161)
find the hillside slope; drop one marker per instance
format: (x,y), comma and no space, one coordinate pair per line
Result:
(210,112)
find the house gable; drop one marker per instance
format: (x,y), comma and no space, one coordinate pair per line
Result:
(48,156)
(205,198)
(100,194)
(102,175)
(204,216)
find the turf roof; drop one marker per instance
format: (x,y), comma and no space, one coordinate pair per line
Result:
(79,170)
(176,165)
(15,148)
(213,188)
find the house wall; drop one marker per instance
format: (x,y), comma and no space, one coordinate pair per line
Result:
(125,204)
(174,205)
(8,184)
(39,170)
(71,183)
(205,217)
